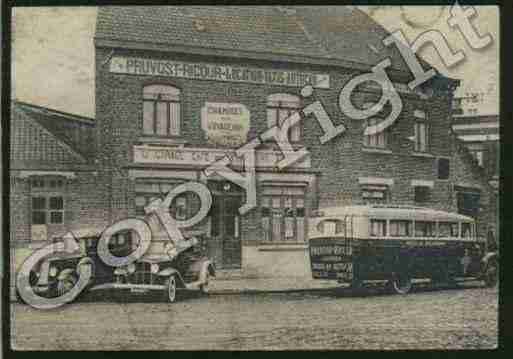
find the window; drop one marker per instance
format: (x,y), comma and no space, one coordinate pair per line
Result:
(279,107)
(378,140)
(444,168)
(425,229)
(47,204)
(161,110)
(478,156)
(421,193)
(375,194)
(466,230)
(447,229)
(378,227)
(283,214)
(400,228)
(183,206)
(468,201)
(421,132)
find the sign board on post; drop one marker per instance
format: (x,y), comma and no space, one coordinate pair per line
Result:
(225,124)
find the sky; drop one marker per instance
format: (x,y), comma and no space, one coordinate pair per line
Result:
(53,52)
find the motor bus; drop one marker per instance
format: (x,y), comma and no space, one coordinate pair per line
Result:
(397,244)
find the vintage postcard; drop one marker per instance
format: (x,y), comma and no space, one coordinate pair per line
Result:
(254,178)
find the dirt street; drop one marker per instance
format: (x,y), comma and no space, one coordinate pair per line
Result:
(426,319)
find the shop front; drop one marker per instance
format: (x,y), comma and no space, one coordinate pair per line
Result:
(245,242)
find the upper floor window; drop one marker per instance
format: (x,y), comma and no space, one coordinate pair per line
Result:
(279,107)
(161,110)
(421,132)
(378,140)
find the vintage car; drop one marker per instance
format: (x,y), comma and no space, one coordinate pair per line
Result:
(166,266)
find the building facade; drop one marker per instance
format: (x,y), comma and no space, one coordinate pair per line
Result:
(178,88)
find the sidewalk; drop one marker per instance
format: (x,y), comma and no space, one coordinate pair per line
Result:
(254,285)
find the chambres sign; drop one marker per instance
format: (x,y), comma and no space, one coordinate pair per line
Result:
(225,124)
(217,72)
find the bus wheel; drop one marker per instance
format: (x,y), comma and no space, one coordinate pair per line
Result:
(491,274)
(401,284)
(357,285)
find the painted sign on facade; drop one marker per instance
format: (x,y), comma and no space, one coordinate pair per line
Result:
(205,156)
(215,72)
(225,124)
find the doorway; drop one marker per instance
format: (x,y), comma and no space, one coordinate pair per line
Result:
(224,246)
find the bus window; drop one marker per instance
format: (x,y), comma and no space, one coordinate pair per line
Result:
(331,226)
(447,229)
(400,228)
(466,230)
(425,229)
(378,227)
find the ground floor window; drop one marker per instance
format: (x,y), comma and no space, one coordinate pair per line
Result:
(47,200)
(283,214)
(183,206)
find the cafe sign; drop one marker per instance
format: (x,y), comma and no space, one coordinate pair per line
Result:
(217,72)
(204,157)
(225,124)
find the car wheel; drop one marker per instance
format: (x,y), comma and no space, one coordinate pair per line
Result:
(401,284)
(491,274)
(170,294)
(66,284)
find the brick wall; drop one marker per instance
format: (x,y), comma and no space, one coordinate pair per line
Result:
(341,161)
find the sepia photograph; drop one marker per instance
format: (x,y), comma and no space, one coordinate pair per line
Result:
(244,178)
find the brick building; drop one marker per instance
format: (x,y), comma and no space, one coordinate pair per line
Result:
(178,87)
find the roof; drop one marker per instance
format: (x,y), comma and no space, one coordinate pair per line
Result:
(342,33)
(75,132)
(397,212)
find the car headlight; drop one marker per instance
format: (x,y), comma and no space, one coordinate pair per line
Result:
(53,271)
(170,250)
(154,268)
(131,268)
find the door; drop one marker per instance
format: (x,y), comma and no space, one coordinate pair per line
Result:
(224,247)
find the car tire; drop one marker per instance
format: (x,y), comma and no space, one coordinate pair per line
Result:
(170,290)
(401,284)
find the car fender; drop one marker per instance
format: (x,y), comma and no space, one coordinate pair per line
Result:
(172,271)
(490,256)
(167,272)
